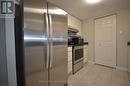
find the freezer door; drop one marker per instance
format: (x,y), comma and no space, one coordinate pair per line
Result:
(58,46)
(35,42)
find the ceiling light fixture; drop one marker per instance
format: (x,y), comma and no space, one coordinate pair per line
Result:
(92,1)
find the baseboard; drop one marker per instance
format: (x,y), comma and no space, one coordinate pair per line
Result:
(119,68)
(122,68)
(92,62)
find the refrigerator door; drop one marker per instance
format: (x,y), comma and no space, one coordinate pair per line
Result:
(58,46)
(36,42)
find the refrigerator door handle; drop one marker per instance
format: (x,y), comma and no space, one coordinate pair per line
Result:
(51,40)
(47,44)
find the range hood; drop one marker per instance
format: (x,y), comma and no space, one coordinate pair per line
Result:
(72,30)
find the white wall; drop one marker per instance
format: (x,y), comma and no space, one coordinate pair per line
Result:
(123,35)
(88,35)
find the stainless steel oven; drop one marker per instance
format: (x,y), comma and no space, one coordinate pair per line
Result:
(77,58)
(75,40)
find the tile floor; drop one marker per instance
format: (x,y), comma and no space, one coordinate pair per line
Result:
(96,75)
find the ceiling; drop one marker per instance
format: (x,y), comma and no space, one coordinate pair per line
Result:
(83,10)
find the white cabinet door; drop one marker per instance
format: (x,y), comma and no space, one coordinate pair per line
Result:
(69,67)
(69,60)
(85,53)
(129,59)
(74,23)
(69,56)
(105,41)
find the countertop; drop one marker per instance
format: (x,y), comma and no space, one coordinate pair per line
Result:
(128,43)
(85,43)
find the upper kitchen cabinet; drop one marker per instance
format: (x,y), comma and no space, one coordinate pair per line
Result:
(74,23)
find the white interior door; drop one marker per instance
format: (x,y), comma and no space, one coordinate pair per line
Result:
(105,41)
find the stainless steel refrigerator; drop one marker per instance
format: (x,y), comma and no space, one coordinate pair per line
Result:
(44,44)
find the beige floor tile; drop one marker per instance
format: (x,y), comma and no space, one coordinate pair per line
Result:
(118,79)
(86,83)
(96,75)
(103,83)
(117,84)
(104,76)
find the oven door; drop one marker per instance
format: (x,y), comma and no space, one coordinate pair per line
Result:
(77,54)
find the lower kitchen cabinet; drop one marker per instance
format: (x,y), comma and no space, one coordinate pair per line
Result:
(69,60)
(129,59)
(69,67)
(70,57)
(85,53)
